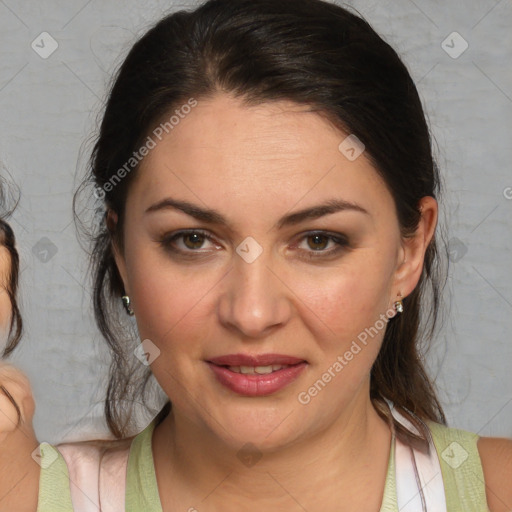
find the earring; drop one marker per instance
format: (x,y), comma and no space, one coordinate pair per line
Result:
(399,305)
(126,303)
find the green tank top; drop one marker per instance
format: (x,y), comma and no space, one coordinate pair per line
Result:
(464,484)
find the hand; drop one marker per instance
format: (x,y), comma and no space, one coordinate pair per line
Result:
(16,387)
(19,473)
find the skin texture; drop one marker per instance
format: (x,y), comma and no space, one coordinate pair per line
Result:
(254,165)
(496,456)
(19,473)
(5,304)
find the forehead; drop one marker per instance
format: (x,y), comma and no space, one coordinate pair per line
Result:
(274,154)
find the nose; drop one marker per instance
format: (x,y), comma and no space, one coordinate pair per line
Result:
(255,299)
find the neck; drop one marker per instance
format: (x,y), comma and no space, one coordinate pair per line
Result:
(344,459)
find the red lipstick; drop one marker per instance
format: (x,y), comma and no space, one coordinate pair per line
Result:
(237,372)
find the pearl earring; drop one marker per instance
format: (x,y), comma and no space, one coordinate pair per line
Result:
(399,305)
(126,303)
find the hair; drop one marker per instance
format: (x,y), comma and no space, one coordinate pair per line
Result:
(315,54)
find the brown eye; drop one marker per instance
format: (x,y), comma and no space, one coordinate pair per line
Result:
(196,240)
(318,240)
(187,243)
(317,244)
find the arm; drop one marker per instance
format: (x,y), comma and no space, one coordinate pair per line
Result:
(496,457)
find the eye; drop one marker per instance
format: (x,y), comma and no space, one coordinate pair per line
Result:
(191,241)
(318,242)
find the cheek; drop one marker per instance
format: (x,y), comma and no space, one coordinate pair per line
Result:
(5,318)
(347,299)
(5,311)
(5,303)
(167,299)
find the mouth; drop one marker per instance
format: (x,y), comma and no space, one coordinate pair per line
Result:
(256,375)
(257,370)
(255,360)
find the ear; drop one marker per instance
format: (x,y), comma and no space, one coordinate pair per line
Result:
(412,252)
(111,220)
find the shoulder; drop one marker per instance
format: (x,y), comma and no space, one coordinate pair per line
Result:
(462,465)
(496,456)
(89,454)
(93,468)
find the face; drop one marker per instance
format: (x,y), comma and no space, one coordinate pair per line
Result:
(246,282)
(5,303)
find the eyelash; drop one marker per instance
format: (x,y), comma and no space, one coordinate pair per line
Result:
(338,239)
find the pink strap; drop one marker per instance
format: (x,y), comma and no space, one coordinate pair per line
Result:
(419,481)
(83,465)
(97,476)
(113,480)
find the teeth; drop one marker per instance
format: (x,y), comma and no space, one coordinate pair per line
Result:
(261,370)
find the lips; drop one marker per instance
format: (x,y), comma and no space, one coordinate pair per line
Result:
(255,360)
(256,375)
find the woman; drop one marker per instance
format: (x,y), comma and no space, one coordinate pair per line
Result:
(10,318)
(17,437)
(270,196)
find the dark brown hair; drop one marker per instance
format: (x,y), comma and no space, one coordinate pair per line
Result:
(310,52)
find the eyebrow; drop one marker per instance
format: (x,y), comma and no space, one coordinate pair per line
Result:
(214,217)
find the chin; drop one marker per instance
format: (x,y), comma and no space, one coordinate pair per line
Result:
(268,429)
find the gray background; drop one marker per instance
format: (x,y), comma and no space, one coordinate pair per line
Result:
(49,108)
